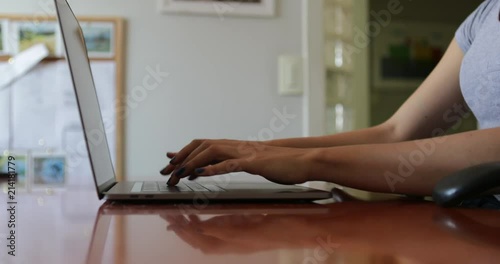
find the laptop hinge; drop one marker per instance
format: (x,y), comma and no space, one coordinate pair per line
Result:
(108,187)
(111,186)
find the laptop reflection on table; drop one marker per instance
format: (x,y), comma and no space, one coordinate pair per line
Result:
(111,215)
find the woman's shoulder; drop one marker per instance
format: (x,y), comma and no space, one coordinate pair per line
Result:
(466,33)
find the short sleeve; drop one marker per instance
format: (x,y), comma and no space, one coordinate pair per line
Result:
(467,31)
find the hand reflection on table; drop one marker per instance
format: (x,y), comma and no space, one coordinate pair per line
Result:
(412,231)
(247,233)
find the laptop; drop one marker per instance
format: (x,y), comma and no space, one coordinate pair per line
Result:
(99,154)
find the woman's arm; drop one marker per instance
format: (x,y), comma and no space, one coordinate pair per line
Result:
(383,133)
(411,167)
(435,106)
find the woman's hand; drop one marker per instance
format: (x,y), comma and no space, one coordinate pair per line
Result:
(203,158)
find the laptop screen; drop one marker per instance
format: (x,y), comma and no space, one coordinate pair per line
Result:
(83,82)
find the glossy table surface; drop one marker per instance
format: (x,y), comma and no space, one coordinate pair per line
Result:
(61,226)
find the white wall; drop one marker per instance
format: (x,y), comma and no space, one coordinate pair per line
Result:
(223,74)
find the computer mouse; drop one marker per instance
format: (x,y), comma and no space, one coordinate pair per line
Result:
(472,182)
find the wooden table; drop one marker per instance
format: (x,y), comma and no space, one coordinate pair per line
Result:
(57,226)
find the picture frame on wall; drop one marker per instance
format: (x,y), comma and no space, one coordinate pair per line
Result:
(4,45)
(28,33)
(249,8)
(48,170)
(99,39)
(20,165)
(404,53)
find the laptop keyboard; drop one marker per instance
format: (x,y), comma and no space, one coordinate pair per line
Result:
(181,187)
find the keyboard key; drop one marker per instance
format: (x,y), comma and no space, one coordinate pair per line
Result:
(165,188)
(213,188)
(137,187)
(196,187)
(150,187)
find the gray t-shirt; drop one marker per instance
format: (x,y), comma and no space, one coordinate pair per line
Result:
(479,38)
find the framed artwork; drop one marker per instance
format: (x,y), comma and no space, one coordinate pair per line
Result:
(404,53)
(48,169)
(99,39)
(4,37)
(221,8)
(20,166)
(28,34)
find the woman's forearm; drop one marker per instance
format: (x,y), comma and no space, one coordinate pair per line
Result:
(411,167)
(373,135)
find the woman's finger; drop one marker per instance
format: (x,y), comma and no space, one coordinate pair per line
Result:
(202,159)
(167,170)
(184,153)
(203,146)
(227,166)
